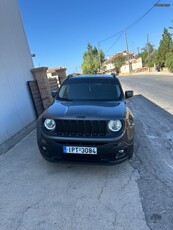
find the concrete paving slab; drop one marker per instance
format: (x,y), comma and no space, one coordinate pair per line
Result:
(35,194)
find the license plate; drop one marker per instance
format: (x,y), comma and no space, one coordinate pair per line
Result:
(80,150)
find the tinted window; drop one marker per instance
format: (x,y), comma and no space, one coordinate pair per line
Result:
(91,89)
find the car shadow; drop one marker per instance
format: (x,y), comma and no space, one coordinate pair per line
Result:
(153,158)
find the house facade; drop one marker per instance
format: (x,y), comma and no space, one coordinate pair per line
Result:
(17,115)
(59,73)
(136,64)
(131,61)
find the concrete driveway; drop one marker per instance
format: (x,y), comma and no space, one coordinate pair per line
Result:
(135,195)
(35,194)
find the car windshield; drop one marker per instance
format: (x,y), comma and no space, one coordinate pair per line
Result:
(91,90)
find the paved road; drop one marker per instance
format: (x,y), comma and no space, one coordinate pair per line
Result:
(135,195)
(157,88)
(153,109)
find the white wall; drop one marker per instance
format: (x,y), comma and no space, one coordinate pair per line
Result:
(16,109)
(136,64)
(125,69)
(109,67)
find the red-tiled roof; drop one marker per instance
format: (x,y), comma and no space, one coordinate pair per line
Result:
(116,55)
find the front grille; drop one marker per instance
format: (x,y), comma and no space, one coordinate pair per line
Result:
(81,128)
(76,143)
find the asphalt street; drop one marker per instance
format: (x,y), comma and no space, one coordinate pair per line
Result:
(134,195)
(158,88)
(152,106)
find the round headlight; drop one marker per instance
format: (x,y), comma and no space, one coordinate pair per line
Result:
(115,125)
(50,124)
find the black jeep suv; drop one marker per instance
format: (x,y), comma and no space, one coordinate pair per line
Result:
(89,121)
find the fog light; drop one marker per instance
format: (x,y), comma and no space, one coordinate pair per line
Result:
(44,148)
(121,151)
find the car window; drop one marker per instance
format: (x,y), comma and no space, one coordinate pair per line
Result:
(91,90)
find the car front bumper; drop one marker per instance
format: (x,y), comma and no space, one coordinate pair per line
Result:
(109,150)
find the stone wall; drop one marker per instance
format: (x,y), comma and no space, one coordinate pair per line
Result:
(40,75)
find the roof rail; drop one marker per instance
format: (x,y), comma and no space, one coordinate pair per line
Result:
(70,75)
(73,75)
(113,74)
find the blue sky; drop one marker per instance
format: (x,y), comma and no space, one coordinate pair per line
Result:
(58,30)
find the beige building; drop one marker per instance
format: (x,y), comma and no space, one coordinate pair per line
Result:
(135,63)
(59,73)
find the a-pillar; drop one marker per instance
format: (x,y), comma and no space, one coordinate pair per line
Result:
(40,75)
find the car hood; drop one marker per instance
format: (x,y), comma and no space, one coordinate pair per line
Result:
(86,110)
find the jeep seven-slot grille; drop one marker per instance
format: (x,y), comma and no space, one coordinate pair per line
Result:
(80,128)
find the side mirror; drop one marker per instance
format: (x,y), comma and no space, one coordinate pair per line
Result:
(54,92)
(129,94)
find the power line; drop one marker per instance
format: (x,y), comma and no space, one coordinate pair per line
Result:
(131,25)
(139,19)
(111,37)
(114,42)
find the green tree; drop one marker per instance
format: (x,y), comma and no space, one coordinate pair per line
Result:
(101,57)
(148,49)
(118,62)
(169,62)
(164,49)
(92,60)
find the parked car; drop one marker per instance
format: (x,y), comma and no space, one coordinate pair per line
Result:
(89,121)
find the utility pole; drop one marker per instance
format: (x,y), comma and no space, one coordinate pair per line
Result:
(127,49)
(148,48)
(99,56)
(138,50)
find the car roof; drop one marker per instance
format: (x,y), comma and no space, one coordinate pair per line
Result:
(93,76)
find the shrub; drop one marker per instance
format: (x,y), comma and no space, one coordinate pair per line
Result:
(169,62)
